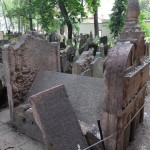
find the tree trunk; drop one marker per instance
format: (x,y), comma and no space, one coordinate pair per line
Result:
(9,17)
(66,17)
(4,16)
(30,18)
(96,25)
(19,24)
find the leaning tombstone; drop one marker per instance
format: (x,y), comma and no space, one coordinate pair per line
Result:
(55,116)
(126,76)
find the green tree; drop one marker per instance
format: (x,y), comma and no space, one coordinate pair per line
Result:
(145,6)
(55,13)
(117,18)
(92,6)
(144,26)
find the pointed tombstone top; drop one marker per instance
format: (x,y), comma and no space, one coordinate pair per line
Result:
(133,12)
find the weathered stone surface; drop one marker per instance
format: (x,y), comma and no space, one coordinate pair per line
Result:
(126,77)
(22,62)
(86,94)
(66,58)
(87,73)
(55,116)
(97,67)
(83,63)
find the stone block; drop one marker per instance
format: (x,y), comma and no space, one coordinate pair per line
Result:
(56,118)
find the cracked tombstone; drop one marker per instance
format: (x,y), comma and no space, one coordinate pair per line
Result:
(55,116)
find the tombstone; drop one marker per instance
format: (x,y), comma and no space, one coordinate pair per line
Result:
(126,76)
(91,35)
(54,37)
(83,63)
(83,43)
(97,67)
(87,73)
(1,35)
(55,116)
(102,50)
(104,40)
(66,59)
(22,63)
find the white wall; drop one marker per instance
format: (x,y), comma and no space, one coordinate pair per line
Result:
(85,28)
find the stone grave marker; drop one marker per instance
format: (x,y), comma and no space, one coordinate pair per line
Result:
(55,116)
(97,67)
(22,62)
(126,76)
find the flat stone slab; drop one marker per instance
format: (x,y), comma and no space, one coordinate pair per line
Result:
(86,94)
(56,118)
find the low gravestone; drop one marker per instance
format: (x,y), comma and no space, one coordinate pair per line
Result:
(66,59)
(22,63)
(97,67)
(83,63)
(87,73)
(55,116)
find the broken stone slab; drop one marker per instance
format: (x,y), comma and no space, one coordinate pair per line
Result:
(55,116)
(86,94)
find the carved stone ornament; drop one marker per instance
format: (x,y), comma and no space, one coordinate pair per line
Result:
(133,12)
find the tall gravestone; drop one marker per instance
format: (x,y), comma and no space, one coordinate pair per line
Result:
(22,63)
(126,77)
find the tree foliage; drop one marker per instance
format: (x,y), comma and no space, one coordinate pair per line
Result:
(117,18)
(144,26)
(52,14)
(145,6)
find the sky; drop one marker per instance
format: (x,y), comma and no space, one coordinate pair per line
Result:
(105,9)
